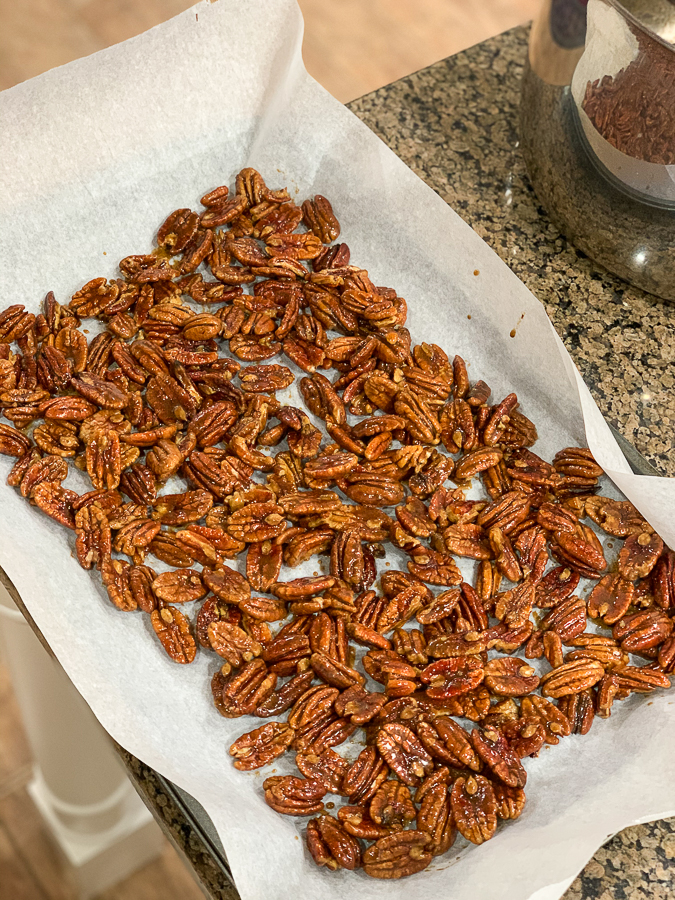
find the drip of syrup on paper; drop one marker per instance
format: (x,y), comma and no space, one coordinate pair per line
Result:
(513,331)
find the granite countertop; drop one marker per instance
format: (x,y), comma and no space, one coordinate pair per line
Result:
(455,125)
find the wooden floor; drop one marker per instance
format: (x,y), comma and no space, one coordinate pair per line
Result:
(31,867)
(351,47)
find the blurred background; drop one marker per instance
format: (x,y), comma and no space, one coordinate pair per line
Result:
(351,47)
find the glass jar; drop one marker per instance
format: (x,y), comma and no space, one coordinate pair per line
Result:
(598,131)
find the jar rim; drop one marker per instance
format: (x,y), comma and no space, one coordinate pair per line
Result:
(646,29)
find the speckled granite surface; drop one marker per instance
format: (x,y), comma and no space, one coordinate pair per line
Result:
(455,125)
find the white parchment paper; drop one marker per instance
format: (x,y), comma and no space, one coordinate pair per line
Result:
(92,158)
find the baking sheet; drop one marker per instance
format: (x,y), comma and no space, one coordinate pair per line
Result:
(92,158)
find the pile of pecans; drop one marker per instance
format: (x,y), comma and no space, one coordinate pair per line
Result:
(153,399)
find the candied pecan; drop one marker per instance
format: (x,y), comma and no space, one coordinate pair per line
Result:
(430,738)
(616,517)
(327,767)
(494,750)
(555,723)
(513,607)
(285,652)
(294,796)
(435,568)
(179,586)
(567,619)
(510,800)
(15,323)
(99,391)
(247,689)
(403,752)
(331,845)
(579,709)
(93,542)
(360,705)
(320,219)
(173,631)
(579,553)
(571,678)
(465,644)
(301,588)
(179,509)
(281,700)
(639,555)
(506,638)
(555,586)
(334,672)
(364,776)
(391,804)
(13,442)
(49,468)
(510,677)
(398,855)
(232,643)
(140,587)
(227,584)
(640,679)
(474,808)
(526,736)
(450,677)
(259,747)
(642,630)
(436,820)
(356,821)
(56,502)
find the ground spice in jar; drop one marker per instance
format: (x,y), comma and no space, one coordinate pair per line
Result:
(634,110)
